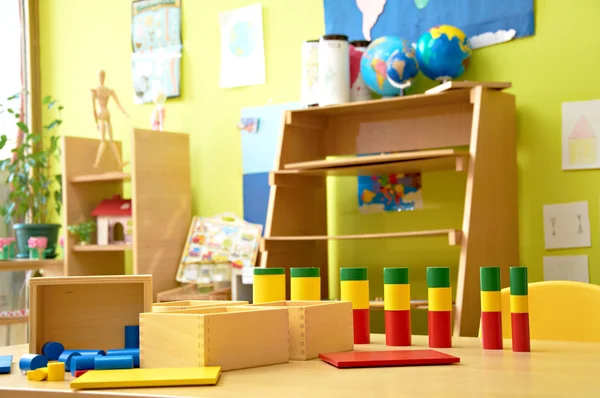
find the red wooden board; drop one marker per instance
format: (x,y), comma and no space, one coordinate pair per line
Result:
(362,359)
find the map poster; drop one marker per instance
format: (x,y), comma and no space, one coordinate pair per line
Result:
(156,42)
(394,192)
(242,47)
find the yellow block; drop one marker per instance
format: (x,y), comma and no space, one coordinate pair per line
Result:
(439,298)
(491,301)
(519,304)
(56,371)
(304,289)
(268,288)
(39,374)
(357,292)
(155,377)
(396,297)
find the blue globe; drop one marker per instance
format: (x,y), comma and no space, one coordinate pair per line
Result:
(373,65)
(443,53)
(402,66)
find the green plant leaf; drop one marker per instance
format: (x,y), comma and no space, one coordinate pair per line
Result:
(14,96)
(23,127)
(3,140)
(47,100)
(10,110)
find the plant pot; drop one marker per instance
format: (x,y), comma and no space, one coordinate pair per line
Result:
(25,231)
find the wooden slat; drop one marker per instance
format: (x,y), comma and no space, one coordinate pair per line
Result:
(285,178)
(12,320)
(110,176)
(25,265)
(457,85)
(102,248)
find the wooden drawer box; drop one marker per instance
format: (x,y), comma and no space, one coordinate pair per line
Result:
(187,304)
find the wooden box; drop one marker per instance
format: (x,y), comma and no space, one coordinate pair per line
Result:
(187,304)
(317,327)
(87,312)
(230,337)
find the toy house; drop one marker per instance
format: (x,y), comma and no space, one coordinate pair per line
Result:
(114,223)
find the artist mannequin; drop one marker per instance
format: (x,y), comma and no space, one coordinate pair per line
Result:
(100,97)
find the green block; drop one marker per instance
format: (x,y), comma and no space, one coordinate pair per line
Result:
(490,279)
(438,277)
(353,274)
(395,276)
(269,271)
(518,281)
(308,272)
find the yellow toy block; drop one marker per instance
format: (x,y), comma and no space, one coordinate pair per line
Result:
(357,292)
(397,297)
(157,377)
(440,298)
(39,374)
(56,371)
(519,304)
(491,301)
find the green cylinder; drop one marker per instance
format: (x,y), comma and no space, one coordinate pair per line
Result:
(518,281)
(353,274)
(395,276)
(490,279)
(438,277)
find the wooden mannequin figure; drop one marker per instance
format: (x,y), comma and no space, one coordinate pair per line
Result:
(158,115)
(100,97)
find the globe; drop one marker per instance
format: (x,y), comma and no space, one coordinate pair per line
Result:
(242,39)
(402,66)
(443,52)
(373,65)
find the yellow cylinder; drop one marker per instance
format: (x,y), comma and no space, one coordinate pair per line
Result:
(305,284)
(56,371)
(268,285)
(355,287)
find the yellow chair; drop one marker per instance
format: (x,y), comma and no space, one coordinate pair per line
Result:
(559,310)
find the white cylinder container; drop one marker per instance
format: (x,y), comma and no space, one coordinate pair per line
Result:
(359,91)
(309,94)
(334,70)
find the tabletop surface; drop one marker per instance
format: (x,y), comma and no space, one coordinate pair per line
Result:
(552,369)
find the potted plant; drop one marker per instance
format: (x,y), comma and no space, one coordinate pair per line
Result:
(32,183)
(83,231)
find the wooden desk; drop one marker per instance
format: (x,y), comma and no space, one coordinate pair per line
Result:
(553,369)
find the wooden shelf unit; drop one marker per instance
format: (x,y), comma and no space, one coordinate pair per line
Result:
(161,204)
(417,133)
(50,267)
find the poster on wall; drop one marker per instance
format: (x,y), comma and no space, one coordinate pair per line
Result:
(484,22)
(156,41)
(390,193)
(580,128)
(242,47)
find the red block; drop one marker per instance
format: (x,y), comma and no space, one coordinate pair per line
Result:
(520,331)
(440,329)
(491,330)
(362,359)
(362,326)
(80,372)
(397,328)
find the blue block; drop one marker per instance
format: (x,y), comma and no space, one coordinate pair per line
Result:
(32,362)
(67,357)
(5,363)
(52,350)
(91,352)
(132,336)
(113,362)
(256,198)
(82,362)
(134,352)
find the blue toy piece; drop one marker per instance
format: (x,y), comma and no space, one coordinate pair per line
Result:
(52,350)
(82,362)
(66,357)
(5,363)
(134,352)
(32,362)
(132,336)
(113,362)
(92,353)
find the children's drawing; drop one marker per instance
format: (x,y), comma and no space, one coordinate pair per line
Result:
(223,238)
(580,127)
(394,192)
(567,225)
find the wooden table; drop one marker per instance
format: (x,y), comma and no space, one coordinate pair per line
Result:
(553,369)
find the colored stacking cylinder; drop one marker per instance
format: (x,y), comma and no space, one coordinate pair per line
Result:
(396,303)
(82,362)
(66,357)
(519,309)
(39,374)
(92,353)
(52,350)
(132,336)
(439,316)
(268,285)
(355,288)
(56,371)
(113,362)
(491,308)
(305,284)
(32,362)
(133,352)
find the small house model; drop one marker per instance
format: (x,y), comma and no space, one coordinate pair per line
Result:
(114,222)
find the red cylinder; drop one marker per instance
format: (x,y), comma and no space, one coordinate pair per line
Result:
(397,328)
(362,326)
(520,331)
(440,329)
(491,330)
